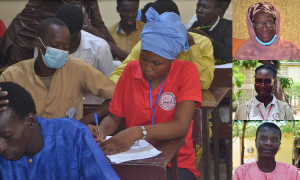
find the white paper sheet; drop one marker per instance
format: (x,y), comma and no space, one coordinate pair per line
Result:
(139,150)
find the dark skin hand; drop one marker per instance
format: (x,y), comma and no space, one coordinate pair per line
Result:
(190,40)
(123,140)
(198,31)
(102,111)
(3,102)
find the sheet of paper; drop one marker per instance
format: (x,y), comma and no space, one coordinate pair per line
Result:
(228,65)
(139,150)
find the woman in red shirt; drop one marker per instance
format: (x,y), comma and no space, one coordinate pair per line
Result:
(156,95)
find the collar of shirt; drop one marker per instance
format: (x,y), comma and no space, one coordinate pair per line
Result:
(256,102)
(121,31)
(216,23)
(258,109)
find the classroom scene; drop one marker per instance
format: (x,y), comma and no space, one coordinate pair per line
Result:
(149,90)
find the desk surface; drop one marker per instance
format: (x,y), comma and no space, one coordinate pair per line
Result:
(150,168)
(212,97)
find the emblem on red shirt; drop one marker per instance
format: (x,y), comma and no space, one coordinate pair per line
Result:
(167,101)
(276,116)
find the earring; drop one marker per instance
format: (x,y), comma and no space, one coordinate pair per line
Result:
(172,62)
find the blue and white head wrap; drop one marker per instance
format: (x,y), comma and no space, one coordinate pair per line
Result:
(164,34)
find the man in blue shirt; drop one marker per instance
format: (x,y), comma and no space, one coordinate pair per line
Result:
(32,147)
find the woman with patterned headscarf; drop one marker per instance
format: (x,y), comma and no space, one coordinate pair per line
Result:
(156,95)
(264,43)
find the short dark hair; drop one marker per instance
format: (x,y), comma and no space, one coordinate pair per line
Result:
(46,23)
(20,100)
(269,125)
(229,1)
(119,1)
(71,15)
(267,67)
(146,7)
(162,6)
(218,3)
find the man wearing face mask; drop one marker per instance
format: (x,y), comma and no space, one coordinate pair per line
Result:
(57,81)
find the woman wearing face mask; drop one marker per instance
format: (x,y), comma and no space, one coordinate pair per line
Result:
(156,95)
(267,142)
(264,106)
(264,43)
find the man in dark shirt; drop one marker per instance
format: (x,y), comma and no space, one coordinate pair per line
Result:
(217,29)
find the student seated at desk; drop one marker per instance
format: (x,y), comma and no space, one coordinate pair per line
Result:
(56,80)
(92,49)
(156,95)
(126,32)
(200,51)
(267,142)
(217,29)
(33,147)
(264,106)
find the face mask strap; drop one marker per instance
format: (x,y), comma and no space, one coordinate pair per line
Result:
(42,42)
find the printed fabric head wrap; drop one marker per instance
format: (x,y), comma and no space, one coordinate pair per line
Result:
(164,34)
(262,6)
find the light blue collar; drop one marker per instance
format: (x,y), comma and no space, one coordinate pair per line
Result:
(267,43)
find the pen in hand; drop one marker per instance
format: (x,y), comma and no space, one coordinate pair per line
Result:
(96,122)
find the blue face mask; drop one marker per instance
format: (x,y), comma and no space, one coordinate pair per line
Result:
(54,58)
(267,43)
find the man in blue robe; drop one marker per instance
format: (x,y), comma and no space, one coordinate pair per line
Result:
(33,147)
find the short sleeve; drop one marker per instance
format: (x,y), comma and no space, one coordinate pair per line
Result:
(116,105)
(92,162)
(190,87)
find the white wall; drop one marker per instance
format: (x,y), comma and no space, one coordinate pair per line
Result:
(10,8)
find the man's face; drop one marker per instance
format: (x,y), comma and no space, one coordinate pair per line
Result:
(128,11)
(264,89)
(207,12)
(57,37)
(75,38)
(267,142)
(15,135)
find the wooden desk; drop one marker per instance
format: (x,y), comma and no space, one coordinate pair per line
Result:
(236,44)
(211,98)
(152,168)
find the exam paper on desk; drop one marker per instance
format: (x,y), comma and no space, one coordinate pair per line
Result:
(139,150)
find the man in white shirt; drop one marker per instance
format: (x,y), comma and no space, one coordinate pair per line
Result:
(224,14)
(92,49)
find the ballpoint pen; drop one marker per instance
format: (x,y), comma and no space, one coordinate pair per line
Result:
(96,122)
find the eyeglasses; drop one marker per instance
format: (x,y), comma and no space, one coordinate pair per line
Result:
(269,24)
(267,81)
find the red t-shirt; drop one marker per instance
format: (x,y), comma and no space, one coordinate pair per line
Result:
(131,101)
(2,29)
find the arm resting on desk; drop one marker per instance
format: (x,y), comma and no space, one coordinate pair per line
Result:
(123,140)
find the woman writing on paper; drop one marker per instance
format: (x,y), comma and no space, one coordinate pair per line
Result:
(156,95)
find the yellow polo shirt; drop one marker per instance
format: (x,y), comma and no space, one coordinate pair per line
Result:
(124,42)
(201,54)
(66,89)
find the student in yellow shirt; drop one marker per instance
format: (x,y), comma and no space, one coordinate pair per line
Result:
(200,51)
(57,81)
(126,32)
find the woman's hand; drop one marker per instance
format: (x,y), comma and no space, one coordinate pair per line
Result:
(94,130)
(3,102)
(122,141)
